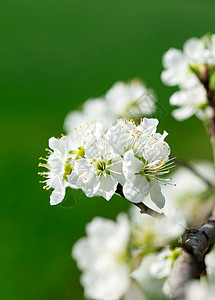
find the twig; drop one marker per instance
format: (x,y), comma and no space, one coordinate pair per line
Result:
(205,81)
(190,263)
(194,171)
(144,209)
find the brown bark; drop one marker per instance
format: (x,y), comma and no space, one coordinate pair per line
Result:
(190,263)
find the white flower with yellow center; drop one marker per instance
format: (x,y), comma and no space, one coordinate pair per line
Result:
(60,163)
(102,256)
(146,158)
(101,169)
(130,100)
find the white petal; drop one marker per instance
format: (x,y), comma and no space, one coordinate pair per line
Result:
(173,58)
(136,190)
(179,98)
(107,187)
(131,165)
(120,135)
(183,113)
(157,151)
(89,183)
(148,124)
(193,49)
(54,143)
(57,196)
(156,195)
(73,120)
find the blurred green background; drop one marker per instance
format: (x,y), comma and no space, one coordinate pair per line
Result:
(53,56)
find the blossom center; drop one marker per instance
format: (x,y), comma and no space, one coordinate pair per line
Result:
(102,167)
(79,153)
(67,168)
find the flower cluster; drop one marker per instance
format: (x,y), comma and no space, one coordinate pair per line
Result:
(127,100)
(133,156)
(190,69)
(106,153)
(113,267)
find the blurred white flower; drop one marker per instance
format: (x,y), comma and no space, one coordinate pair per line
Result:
(134,292)
(102,256)
(151,285)
(185,68)
(210,266)
(201,51)
(177,71)
(164,261)
(192,101)
(199,291)
(188,187)
(180,66)
(149,233)
(114,256)
(94,110)
(130,100)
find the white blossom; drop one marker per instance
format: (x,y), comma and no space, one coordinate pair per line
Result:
(100,171)
(210,266)
(61,162)
(180,66)
(133,156)
(187,69)
(102,258)
(164,261)
(198,291)
(177,70)
(130,100)
(188,186)
(58,165)
(149,233)
(201,51)
(151,285)
(93,110)
(192,101)
(134,292)
(146,158)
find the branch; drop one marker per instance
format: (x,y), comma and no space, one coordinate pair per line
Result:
(144,209)
(205,81)
(194,171)
(190,263)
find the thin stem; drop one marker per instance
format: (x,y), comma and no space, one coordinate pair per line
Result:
(205,81)
(144,209)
